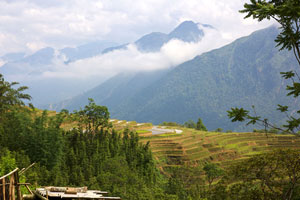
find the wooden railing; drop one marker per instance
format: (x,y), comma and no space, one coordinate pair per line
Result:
(10,186)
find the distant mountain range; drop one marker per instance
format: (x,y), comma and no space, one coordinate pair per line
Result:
(19,67)
(243,73)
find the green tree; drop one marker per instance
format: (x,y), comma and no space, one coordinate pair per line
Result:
(287,14)
(200,125)
(212,172)
(7,162)
(93,116)
(185,182)
(272,175)
(10,96)
(190,124)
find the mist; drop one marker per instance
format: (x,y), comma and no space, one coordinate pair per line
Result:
(131,59)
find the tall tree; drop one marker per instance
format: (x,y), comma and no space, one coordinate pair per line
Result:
(93,116)
(10,96)
(212,172)
(200,125)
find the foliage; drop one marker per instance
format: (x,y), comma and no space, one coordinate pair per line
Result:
(273,175)
(7,162)
(200,126)
(212,172)
(170,124)
(185,182)
(119,163)
(98,157)
(286,13)
(93,116)
(219,130)
(190,124)
(10,96)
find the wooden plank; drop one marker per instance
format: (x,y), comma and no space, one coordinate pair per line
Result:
(39,196)
(29,190)
(3,184)
(29,197)
(88,195)
(10,173)
(24,170)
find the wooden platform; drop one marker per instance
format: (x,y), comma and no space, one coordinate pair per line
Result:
(70,193)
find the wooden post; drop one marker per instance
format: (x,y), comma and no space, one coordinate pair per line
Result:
(13,176)
(11,186)
(11,182)
(3,188)
(19,195)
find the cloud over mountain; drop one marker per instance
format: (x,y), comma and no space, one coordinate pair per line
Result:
(131,59)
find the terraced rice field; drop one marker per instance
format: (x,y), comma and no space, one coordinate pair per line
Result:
(198,147)
(178,145)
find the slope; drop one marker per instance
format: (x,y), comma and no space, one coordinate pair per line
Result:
(179,145)
(243,73)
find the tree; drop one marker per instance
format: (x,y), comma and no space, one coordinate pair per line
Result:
(7,162)
(10,96)
(190,124)
(200,125)
(212,172)
(272,175)
(93,116)
(287,14)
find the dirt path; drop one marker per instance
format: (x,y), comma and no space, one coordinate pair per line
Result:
(156,131)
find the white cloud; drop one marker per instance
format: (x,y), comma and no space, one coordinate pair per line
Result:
(131,59)
(2,62)
(59,23)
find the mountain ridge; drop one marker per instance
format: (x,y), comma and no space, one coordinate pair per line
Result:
(243,73)
(27,69)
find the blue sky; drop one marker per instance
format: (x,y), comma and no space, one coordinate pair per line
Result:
(28,25)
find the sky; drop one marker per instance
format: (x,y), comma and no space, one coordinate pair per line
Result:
(29,25)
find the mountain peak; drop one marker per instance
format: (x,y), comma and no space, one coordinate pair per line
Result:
(186,25)
(187,31)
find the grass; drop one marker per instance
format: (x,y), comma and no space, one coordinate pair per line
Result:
(142,131)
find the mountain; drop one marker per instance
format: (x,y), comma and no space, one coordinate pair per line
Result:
(85,51)
(118,88)
(33,70)
(187,31)
(243,73)
(10,57)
